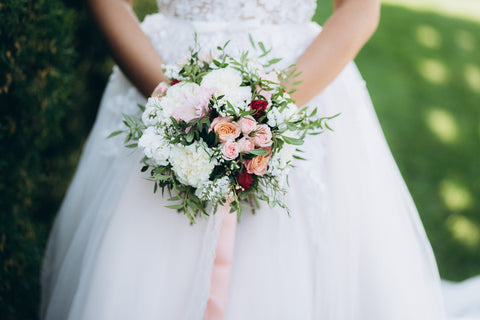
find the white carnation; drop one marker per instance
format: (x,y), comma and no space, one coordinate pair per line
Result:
(192,164)
(155,146)
(227,82)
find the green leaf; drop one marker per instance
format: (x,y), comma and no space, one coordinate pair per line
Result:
(175,206)
(132,145)
(262,46)
(251,40)
(293,141)
(161,177)
(298,157)
(115,133)
(273,61)
(175,198)
(258,152)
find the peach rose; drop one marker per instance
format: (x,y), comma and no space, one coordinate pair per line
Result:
(225,128)
(247,124)
(230,150)
(258,165)
(263,136)
(246,144)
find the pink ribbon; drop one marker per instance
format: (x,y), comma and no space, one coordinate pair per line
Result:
(222,266)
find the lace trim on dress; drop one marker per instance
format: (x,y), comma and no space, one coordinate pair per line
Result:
(265,11)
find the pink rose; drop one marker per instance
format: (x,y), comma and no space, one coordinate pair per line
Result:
(225,128)
(246,144)
(263,136)
(160,90)
(230,150)
(258,165)
(247,124)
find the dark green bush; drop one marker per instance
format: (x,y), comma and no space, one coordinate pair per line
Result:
(49,93)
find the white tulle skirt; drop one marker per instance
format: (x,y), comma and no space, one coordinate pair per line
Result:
(353,247)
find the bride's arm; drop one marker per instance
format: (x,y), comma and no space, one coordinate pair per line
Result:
(130,47)
(344,34)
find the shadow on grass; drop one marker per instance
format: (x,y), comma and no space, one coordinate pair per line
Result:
(423,72)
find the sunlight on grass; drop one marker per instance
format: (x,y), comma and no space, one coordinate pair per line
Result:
(455,196)
(466,9)
(464,230)
(442,124)
(433,71)
(472,77)
(428,37)
(465,40)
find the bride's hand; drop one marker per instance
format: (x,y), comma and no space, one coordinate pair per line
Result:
(343,35)
(129,45)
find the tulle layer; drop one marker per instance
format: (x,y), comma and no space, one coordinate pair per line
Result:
(353,247)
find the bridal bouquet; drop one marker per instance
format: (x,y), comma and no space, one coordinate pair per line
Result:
(221,130)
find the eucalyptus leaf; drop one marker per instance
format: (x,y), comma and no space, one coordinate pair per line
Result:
(258,152)
(175,206)
(115,133)
(293,141)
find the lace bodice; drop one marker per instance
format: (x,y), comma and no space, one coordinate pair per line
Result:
(265,11)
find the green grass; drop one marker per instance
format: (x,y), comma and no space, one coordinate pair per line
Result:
(423,72)
(422,68)
(467,9)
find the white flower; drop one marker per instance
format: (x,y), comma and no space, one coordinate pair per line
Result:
(280,164)
(278,116)
(275,118)
(155,146)
(287,151)
(175,98)
(153,113)
(227,82)
(192,164)
(255,67)
(171,71)
(289,110)
(214,190)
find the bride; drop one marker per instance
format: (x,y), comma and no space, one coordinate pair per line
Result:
(354,246)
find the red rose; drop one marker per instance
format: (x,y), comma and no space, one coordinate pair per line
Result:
(245,179)
(174,82)
(259,106)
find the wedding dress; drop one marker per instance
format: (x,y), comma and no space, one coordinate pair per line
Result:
(353,248)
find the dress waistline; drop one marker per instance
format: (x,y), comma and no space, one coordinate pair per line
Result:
(233,25)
